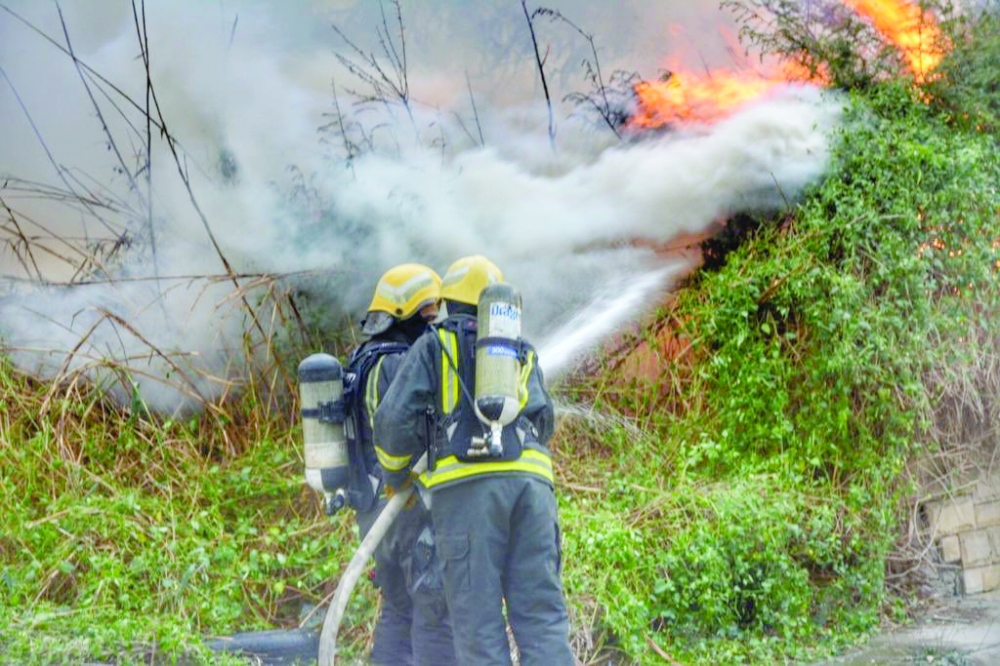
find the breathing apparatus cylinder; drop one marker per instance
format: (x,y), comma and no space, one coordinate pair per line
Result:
(498,365)
(321,397)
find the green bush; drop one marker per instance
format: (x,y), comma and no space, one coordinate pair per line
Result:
(968,87)
(124,535)
(749,519)
(762,507)
(732,567)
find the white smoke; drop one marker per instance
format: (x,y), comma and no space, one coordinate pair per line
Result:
(245,87)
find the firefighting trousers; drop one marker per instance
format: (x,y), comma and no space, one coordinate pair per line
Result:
(413,627)
(498,538)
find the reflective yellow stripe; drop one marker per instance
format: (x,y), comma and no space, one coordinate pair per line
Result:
(453,343)
(389,462)
(442,337)
(522,389)
(371,392)
(450,468)
(449,378)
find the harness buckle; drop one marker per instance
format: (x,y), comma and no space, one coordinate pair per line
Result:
(333,411)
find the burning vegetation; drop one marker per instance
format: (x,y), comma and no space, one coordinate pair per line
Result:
(733,482)
(684,96)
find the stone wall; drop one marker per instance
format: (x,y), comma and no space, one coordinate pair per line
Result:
(966,529)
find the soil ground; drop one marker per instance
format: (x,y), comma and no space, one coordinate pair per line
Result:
(963,631)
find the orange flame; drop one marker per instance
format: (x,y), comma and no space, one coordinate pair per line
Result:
(686,97)
(692,98)
(914,32)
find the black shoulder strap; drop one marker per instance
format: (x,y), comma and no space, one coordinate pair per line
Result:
(364,359)
(360,493)
(368,353)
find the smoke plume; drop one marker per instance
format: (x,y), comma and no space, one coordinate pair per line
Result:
(293,171)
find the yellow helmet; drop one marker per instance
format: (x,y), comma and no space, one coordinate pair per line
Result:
(467,277)
(401,292)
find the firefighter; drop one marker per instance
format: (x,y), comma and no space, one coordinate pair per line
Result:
(413,627)
(494,519)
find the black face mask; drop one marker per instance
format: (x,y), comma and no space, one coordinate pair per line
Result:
(454,308)
(412,328)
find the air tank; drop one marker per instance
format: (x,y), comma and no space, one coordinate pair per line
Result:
(498,365)
(321,393)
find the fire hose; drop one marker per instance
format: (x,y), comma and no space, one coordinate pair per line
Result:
(335,613)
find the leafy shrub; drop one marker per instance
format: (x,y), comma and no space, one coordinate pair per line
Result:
(731,567)
(968,88)
(124,534)
(760,511)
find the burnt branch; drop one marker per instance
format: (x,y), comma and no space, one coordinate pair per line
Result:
(339,126)
(112,144)
(20,241)
(475,111)
(60,170)
(142,36)
(386,74)
(602,100)
(540,62)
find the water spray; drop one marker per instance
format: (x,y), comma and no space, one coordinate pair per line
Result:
(606,313)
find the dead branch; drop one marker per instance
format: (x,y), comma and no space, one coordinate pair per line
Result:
(613,117)
(388,84)
(60,171)
(475,111)
(340,126)
(112,144)
(143,37)
(85,66)
(23,239)
(185,179)
(541,66)
(223,277)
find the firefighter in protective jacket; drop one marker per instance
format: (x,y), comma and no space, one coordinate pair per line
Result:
(494,518)
(413,627)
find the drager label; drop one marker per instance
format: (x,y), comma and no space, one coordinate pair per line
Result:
(501,350)
(505,320)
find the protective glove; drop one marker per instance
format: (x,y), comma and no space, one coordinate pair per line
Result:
(407,485)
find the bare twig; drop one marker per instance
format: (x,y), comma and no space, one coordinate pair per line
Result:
(24,240)
(86,67)
(224,277)
(387,85)
(529,16)
(232,32)
(112,144)
(60,171)
(185,179)
(142,36)
(661,652)
(613,118)
(350,148)
(475,111)
(91,72)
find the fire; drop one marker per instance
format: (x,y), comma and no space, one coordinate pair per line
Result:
(914,32)
(691,98)
(682,96)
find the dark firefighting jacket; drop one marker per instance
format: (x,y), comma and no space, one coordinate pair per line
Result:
(427,398)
